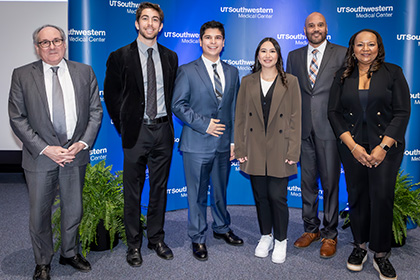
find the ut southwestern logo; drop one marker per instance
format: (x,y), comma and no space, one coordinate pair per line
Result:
(87,35)
(243,12)
(368,12)
(98,154)
(409,37)
(415,97)
(413,154)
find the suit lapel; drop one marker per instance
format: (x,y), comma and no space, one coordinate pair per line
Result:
(329,50)
(304,62)
(255,91)
(278,94)
(74,75)
(204,75)
(38,76)
(134,67)
(166,69)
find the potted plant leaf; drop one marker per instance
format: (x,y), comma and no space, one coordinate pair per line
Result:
(103,205)
(406,206)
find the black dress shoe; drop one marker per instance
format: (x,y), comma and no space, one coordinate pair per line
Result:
(42,272)
(229,237)
(77,262)
(200,251)
(134,257)
(162,250)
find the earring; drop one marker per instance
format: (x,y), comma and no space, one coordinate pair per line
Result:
(353,55)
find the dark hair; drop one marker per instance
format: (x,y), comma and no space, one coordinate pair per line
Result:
(148,5)
(212,24)
(36,33)
(279,64)
(352,60)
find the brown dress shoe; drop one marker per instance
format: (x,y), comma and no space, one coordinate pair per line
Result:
(328,248)
(306,239)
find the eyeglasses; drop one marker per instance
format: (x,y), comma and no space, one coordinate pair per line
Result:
(46,44)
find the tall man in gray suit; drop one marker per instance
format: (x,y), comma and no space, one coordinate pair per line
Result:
(55,111)
(204,99)
(315,66)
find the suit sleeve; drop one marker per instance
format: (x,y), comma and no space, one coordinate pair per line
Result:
(113,89)
(95,111)
(232,137)
(295,125)
(335,108)
(19,121)
(240,149)
(181,103)
(400,107)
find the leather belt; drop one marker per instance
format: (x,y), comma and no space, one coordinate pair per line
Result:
(155,121)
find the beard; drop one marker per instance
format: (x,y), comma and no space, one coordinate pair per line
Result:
(148,36)
(316,41)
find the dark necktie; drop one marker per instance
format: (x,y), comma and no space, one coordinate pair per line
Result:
(217,83)
(151,108)
(313,68)
(58,111)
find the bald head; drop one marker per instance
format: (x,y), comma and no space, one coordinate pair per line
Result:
(316,29)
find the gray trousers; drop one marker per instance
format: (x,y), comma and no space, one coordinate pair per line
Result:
(42,187)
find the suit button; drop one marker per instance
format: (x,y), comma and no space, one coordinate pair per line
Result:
(250,113)
(281,115)
(379,125)
(379,113)
(352,125)
(352,136)
(250,129)
(351,114)
(281,131)
(380,136)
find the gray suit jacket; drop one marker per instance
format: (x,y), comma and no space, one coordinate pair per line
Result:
(315,100)
(194,102)
(30,116)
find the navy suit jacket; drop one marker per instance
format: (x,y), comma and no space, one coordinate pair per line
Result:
(194,102)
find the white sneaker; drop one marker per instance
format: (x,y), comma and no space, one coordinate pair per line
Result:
(279,252)
(264,246)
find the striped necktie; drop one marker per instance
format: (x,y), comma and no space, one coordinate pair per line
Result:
(58,111)
(313,68)
(217,83)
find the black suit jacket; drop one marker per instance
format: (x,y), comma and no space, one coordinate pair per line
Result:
(388,108)
(124,89)
(315,100)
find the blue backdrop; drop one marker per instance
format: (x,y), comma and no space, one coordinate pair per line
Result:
(98,27)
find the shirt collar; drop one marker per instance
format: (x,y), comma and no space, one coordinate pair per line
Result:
(320,48)
(208,62)
(143,47)
(47,67)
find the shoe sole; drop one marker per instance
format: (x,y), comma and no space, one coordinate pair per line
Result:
(327,257)
(263,255)
(382,277)
(357,268)
(278,261)
(302,247)
(201,259)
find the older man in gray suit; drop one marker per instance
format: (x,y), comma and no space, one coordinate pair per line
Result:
(315,66)
(55,110)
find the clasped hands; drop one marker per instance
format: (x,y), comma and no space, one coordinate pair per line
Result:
(374,159)
(61,155)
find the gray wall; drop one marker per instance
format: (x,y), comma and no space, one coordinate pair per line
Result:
(17,22)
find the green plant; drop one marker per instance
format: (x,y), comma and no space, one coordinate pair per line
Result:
(406,206)
(103,199)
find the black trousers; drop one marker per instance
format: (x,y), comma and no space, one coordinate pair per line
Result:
(371,198)
(320,158)
(270,194)
(154,150)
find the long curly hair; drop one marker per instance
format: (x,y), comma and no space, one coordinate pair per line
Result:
(352,60)
(279,65)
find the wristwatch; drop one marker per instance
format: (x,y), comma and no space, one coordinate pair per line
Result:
(385,147)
